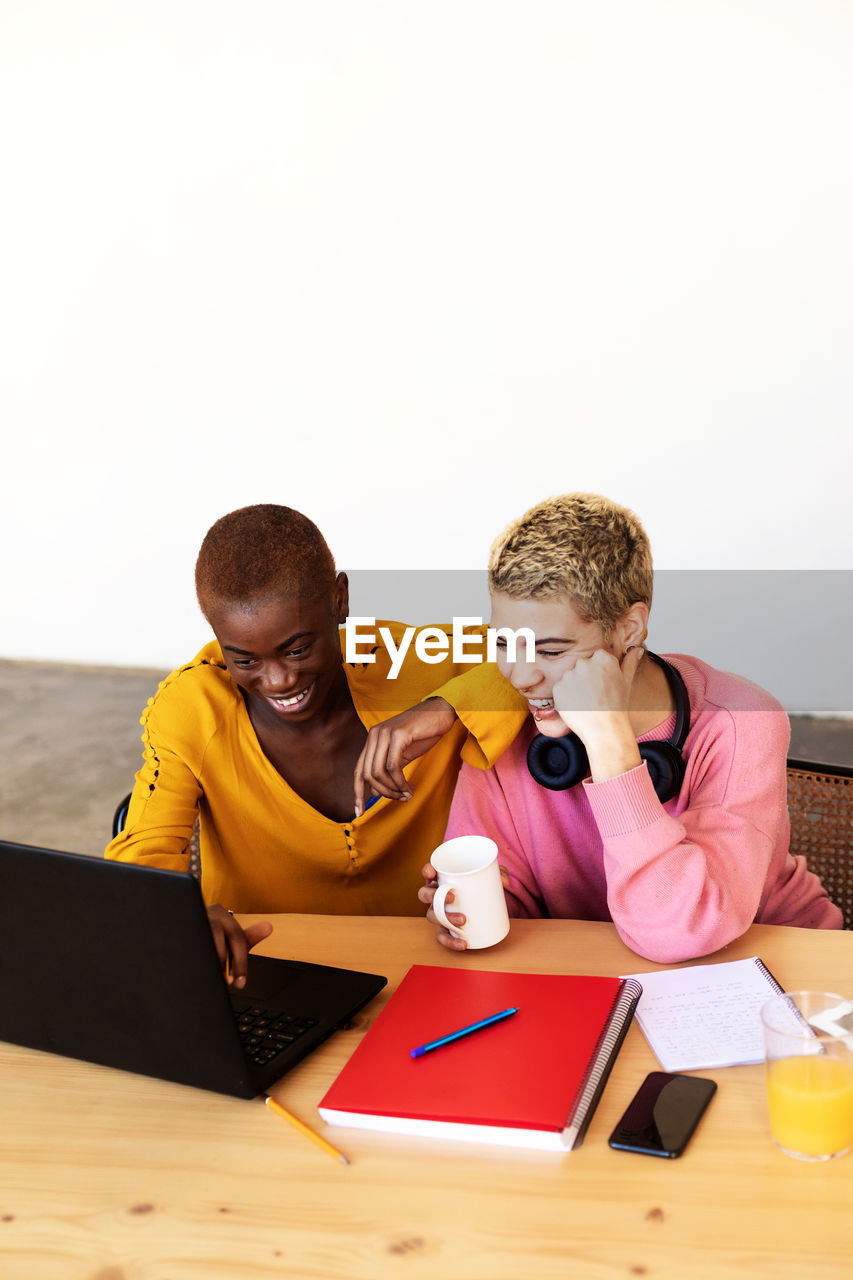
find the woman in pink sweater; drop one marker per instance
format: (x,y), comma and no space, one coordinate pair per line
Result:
(682,845)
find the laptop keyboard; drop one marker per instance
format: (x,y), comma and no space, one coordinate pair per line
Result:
(265,1032)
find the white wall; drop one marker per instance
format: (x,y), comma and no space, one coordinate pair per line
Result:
(410,267)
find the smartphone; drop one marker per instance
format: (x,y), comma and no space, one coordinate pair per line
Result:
(663,1114)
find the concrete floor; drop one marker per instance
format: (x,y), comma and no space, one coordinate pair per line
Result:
(70,742)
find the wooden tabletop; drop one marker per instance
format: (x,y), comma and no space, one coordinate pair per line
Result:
(111,1176)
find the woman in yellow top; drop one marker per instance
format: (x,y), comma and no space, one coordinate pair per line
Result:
(259,736)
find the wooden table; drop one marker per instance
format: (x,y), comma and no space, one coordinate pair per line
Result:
(111,1176)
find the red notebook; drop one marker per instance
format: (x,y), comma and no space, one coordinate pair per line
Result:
(532,1080)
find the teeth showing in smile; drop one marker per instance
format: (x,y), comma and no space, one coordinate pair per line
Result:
(291,702)
(541,703)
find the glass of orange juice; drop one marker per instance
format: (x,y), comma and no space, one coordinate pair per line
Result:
(808,1047)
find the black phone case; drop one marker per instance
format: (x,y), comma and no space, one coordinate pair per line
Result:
(659,1125)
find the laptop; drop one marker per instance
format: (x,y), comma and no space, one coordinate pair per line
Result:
(115,963)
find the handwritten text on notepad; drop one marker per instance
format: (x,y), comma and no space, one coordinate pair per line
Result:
(706,1015)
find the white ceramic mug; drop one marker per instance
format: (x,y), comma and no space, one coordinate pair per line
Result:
(468,866)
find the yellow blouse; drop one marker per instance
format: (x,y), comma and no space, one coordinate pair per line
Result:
(265,849)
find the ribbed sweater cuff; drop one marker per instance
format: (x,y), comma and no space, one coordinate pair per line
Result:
(624,804)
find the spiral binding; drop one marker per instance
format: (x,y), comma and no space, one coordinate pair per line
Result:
(601,1063)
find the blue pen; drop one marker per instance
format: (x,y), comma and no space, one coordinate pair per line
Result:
(463,1031)
(367,805)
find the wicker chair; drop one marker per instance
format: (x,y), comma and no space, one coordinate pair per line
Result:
(120,818)
(820,802)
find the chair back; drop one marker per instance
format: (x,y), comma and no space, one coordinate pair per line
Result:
(120,815)
(820,803)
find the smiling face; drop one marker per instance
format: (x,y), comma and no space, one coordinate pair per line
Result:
(562,637)
(284,654)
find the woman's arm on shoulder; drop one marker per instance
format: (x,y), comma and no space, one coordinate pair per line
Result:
(484,702)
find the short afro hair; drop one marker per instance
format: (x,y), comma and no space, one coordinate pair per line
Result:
(579,547)
(261,553)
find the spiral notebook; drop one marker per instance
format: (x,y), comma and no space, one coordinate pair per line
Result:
(706,1015)
(532,1080)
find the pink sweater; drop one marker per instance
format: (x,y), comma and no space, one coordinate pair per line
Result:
(678,880)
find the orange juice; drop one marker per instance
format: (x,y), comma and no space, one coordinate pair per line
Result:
(811,1104)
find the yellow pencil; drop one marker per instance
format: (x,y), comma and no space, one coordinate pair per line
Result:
(304,1128)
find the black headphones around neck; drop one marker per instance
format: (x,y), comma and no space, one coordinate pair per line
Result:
(560,763)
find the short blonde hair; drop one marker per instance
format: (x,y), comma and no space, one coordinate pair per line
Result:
(579,546)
